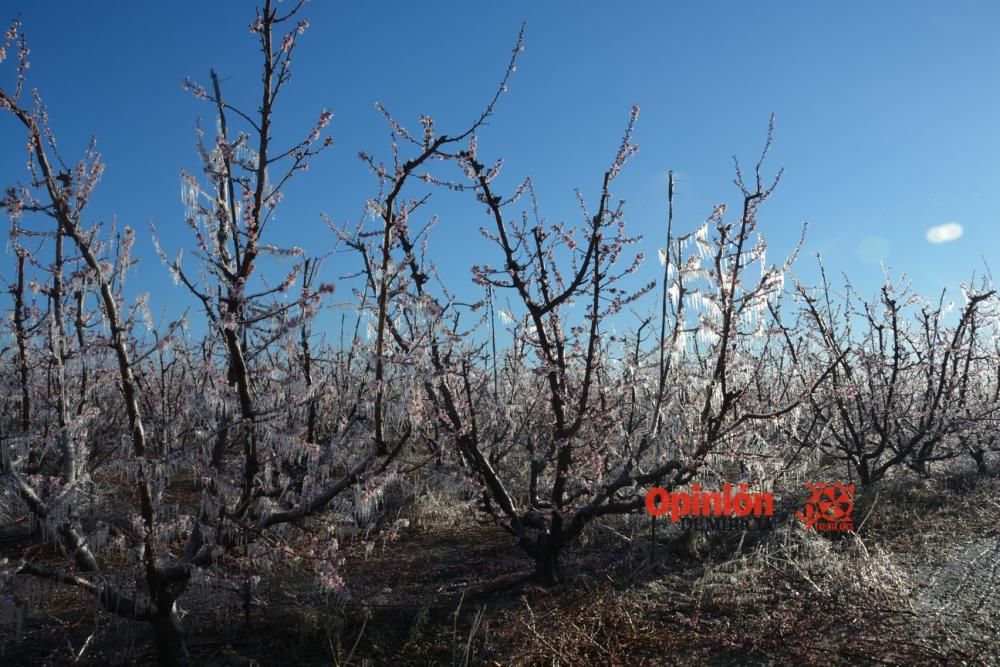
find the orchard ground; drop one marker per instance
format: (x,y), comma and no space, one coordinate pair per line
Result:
(919,583)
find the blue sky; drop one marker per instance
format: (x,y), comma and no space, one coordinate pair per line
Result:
(888,116)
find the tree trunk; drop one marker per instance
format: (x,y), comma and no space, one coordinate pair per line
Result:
(169,640)
(864,473)
(921,468)
(547,561)
(979,456)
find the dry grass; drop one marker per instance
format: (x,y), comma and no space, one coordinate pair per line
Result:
(917,585)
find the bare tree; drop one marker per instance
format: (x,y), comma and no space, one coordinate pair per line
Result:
(901,395)
(233,516)
(581,463)
(63,196)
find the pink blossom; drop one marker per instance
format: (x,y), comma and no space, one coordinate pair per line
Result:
(195,89)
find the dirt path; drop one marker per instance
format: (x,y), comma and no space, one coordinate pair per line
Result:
(956,598)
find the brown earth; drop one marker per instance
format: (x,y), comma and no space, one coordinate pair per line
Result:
(921,586)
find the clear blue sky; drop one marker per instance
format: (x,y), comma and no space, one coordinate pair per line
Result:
(888,115)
